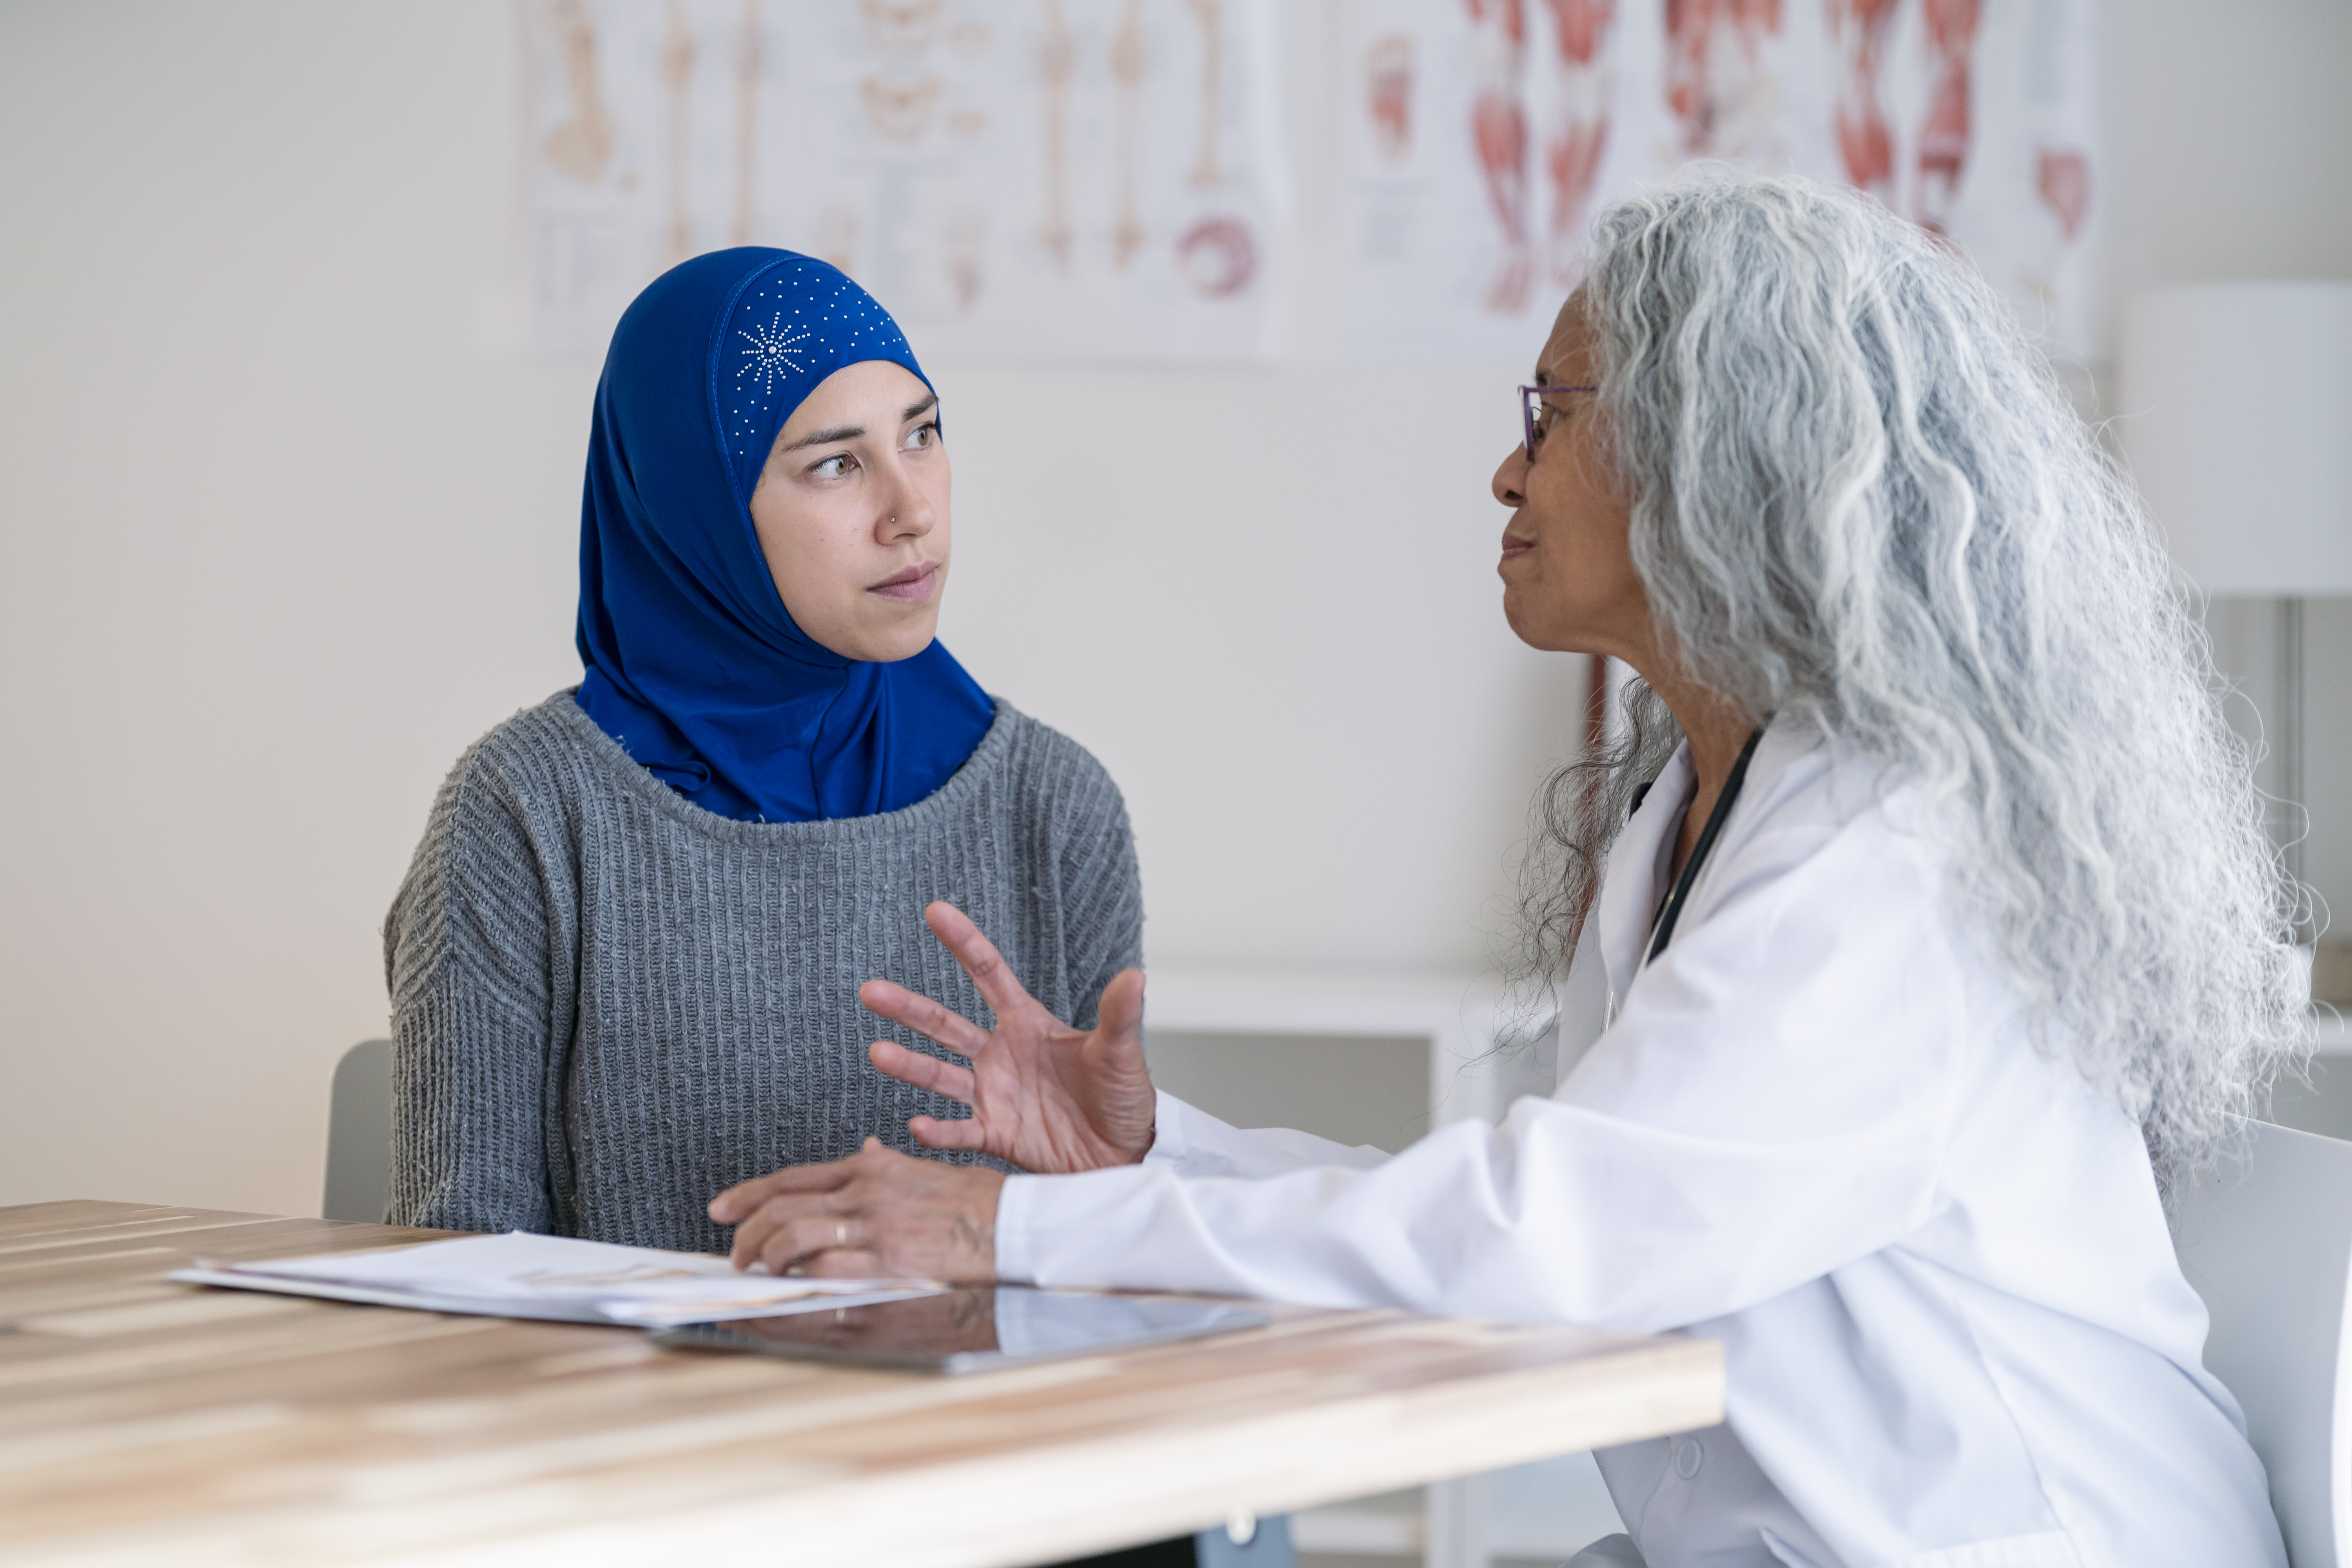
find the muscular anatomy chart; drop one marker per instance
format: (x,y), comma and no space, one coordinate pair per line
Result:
(1720,83)
(1575,132)
(1481,135)
(1026,178)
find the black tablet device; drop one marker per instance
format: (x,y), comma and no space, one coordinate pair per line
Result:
(970,1330)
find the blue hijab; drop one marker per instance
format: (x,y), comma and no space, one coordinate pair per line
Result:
(693,663)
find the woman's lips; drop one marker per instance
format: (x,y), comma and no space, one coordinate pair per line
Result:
(910,586)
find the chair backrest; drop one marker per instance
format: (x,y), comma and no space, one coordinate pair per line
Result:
(359,1134)
(2268,1244)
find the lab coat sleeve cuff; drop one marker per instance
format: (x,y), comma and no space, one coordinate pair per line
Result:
(1172,1140)
(1031,1208)
(1076,1231)
(1013,1265)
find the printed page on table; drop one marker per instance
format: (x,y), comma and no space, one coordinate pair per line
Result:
(520,1275)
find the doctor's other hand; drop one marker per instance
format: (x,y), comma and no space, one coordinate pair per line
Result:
(876,1214)
(1045,1096)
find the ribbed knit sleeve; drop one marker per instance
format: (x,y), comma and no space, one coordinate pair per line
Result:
(1101,886)
(468,960)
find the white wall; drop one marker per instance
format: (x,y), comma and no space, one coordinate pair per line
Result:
(2232,124)
(284,532)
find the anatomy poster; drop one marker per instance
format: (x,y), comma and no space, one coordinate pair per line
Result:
(1481,137)
(1056,179)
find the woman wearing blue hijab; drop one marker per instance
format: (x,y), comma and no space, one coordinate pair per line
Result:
(625,962)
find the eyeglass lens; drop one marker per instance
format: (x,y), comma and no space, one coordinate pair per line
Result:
(1533,411)
(1532,415)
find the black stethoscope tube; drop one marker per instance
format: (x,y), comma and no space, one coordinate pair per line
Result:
(1662,930)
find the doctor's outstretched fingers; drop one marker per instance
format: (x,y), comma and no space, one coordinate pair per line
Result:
(1045,1096)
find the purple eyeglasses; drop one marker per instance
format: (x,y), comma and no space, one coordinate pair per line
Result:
(1532,408)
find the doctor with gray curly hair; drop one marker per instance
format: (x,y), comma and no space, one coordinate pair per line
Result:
(1919,936)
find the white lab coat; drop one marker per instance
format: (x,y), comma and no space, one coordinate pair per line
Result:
(1956,1333)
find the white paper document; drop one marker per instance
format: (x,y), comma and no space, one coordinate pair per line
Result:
(519,1275)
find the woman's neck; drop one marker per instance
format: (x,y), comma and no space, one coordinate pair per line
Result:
(1718,731)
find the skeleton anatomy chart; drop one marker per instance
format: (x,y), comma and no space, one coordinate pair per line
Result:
(1482,136)
(1026,178)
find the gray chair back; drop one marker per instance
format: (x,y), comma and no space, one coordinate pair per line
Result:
(359,1134)
(2269,1246)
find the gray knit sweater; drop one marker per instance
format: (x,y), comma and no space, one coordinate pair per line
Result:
(609,1004)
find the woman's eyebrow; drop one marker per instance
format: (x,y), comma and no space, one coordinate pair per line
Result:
(852,432)
(819,438)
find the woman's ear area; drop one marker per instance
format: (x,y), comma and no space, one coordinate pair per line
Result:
(1568,356)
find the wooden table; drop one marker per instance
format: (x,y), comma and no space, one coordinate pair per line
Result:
(143,1422)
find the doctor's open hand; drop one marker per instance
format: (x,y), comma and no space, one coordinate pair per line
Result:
(1045,1098)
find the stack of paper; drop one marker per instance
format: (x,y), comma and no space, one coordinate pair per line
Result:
(519,1275)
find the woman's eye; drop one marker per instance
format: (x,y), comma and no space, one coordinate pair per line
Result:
(833,468)
(922,436)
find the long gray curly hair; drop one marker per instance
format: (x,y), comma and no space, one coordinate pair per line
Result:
(1862,502)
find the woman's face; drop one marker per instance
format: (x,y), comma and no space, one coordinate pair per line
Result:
(852,513)
(1567,572)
